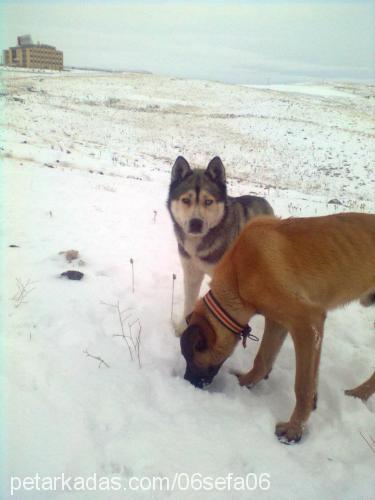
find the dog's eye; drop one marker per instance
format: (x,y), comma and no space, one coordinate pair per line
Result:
(208,202)
(186,201)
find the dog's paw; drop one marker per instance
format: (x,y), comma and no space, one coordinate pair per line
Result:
(359,392)
(289,432)
(251,378)
(244,380)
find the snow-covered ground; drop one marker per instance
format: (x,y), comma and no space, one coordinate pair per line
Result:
(86,160)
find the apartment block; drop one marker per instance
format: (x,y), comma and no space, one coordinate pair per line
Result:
(29,55)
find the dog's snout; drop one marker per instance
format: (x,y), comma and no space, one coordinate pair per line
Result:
(199,382)
(196,225)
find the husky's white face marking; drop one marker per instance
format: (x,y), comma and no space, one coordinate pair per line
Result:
(197,214)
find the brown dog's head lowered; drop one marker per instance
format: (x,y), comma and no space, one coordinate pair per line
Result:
(193,346)
(205,346)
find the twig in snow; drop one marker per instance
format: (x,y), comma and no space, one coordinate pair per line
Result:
(98,358)
(136,339)
(22,292)
(121,320)
(370,441)
(155,214)
(173,280)
(132,264)
(132,340)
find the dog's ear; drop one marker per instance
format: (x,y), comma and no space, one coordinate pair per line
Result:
(192,340)
(189,338)
(180,169)
(198,336)
(216,171)
(200,343)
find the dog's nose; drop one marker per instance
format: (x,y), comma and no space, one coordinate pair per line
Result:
(196,226)
(198,382)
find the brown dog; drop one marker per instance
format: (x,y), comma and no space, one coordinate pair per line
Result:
(291,271)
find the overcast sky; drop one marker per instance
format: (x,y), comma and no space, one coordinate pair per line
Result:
(254,41)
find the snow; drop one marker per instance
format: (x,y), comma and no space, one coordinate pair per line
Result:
(322,90)
(86,160)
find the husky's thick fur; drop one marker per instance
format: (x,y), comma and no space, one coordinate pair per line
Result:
(292,272)
(206,220)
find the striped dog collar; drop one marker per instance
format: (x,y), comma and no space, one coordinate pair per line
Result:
(242,331)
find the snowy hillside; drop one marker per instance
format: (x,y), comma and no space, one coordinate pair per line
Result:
(86,160)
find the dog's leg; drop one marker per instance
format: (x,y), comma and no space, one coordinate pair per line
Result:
(307,338)
(365,390)
(318,351)
(273,338)
(193,278)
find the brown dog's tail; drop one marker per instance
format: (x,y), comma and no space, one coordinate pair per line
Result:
(368,300)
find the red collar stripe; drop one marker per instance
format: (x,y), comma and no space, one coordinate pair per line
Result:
(222,315)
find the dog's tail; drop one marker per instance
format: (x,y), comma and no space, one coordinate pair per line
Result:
(368,300)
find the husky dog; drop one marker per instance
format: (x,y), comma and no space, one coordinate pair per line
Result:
(206,220)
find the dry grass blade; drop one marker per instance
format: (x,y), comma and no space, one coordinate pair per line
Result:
(369,440)
(132,340)
(24,289)
(98,358)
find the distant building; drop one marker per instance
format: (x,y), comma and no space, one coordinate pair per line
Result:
(29,55)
